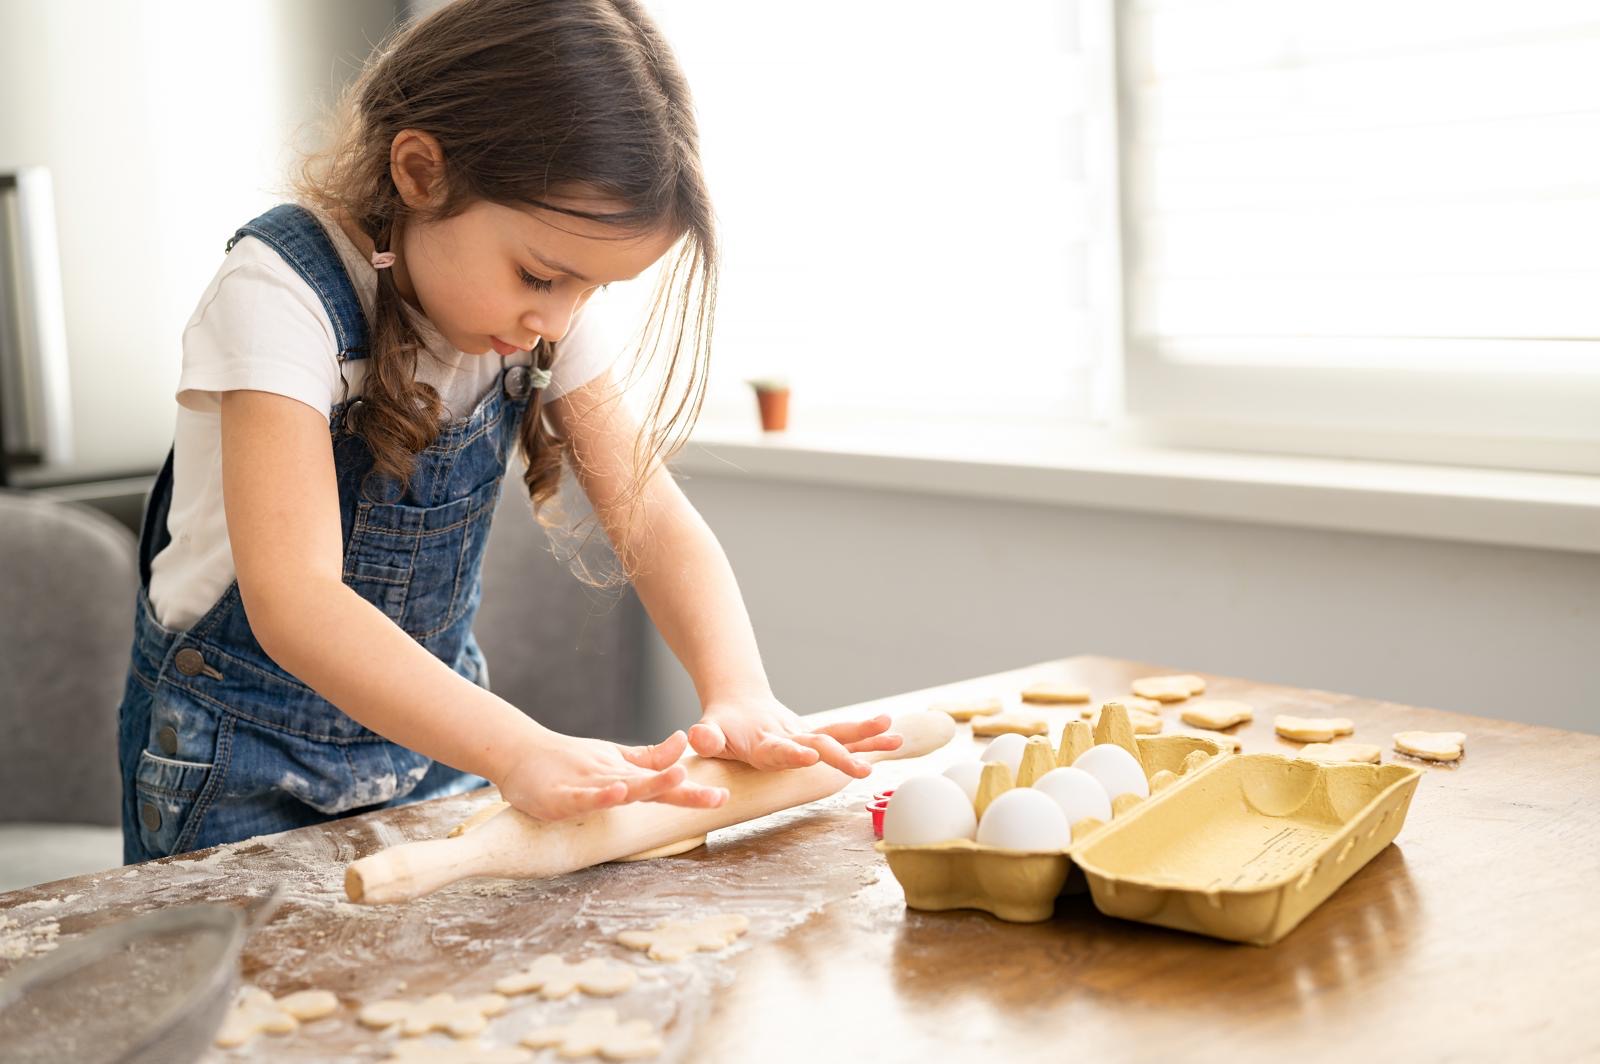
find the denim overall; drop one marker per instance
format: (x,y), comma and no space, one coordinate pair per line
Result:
(216,742)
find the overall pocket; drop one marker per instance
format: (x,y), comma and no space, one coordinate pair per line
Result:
(179,759)
(417,563)
(167,792)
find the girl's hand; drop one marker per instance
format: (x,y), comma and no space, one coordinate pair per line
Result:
(766,735)
(559,776)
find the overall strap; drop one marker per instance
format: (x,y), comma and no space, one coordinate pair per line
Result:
(296,235)
(153,534)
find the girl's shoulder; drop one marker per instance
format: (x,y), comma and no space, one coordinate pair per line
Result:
(259,325)
(255,289)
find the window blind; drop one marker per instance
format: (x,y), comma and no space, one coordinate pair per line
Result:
(1367,183)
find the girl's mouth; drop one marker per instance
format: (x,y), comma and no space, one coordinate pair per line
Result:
(501,347)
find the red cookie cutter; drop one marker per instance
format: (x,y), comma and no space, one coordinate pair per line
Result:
(879,803)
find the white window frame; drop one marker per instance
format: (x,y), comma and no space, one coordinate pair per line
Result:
(1545,421)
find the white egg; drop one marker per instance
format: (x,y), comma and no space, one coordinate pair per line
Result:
(928,809)
(966,774)
(1024,819)
(1007,748)
(1116,770)
(1078,794)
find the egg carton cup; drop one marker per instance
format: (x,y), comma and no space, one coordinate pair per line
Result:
(1238,847)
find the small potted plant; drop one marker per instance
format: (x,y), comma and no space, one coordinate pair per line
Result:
(772,395)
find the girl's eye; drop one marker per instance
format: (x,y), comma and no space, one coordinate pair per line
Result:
(538,284)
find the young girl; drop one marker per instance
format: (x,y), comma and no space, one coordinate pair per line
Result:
(354,379)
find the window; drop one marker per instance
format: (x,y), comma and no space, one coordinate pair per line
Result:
(904,201)
(1356,227)
(1366,227)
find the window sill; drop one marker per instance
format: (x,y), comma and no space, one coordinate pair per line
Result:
(1086,466)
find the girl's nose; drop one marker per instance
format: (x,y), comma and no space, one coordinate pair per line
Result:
(553,321)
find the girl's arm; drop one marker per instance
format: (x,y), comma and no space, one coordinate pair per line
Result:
(686,584)
(281,496)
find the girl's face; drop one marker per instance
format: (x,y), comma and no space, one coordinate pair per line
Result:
(498,278)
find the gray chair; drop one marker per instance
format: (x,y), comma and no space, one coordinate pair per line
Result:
(567,655)
(66,621)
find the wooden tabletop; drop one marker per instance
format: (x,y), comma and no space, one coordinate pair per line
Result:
(1475,936)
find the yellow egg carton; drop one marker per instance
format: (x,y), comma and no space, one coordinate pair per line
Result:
(1239,847)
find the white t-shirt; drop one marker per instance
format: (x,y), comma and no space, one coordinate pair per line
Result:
(260,327)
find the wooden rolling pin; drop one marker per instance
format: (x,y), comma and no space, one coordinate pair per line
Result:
(514,845)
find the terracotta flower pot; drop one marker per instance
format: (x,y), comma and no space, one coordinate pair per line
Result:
(774,405)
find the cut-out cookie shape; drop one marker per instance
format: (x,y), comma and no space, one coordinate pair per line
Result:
(417,1051)
(553,977)
(1010,724)
(1431,745)
(1052,694)
(966,709)
(597,1032)
(1340,752)
(255,1011)
(1169,688)
(441,1012)
(1216,714)
(1313,729)
(675,940)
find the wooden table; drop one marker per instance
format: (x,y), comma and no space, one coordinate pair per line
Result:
(1476,936)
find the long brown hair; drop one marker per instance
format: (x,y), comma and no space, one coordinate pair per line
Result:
(529,100)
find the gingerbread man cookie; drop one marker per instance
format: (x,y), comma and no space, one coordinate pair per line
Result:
(674,940)
(1312,729)
(553,977)
(441,1012)
(966,709)
(1169,688)
(598,1032)
(1010,723)
(255,1011)
(419,1052)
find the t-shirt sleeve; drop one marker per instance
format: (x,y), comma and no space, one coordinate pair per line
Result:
(259,327)
(592,345)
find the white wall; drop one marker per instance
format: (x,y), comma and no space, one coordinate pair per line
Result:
(166,124)
(860,594)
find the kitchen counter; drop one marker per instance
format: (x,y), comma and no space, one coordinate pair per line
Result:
(1474,936)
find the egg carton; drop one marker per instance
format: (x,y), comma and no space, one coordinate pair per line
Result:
(1238,847)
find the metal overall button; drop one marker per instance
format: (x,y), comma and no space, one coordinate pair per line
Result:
(191,662)
(352,416)
(167,739)
(517,383)
(151,816)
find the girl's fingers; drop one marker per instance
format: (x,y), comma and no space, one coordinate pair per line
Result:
(663,755)
(590,799)
(782,751)
(831,751)
(646,786)
(707,739)
(694,796)
(852,731)
(876,742)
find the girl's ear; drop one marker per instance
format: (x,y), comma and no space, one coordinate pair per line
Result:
(416,163)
